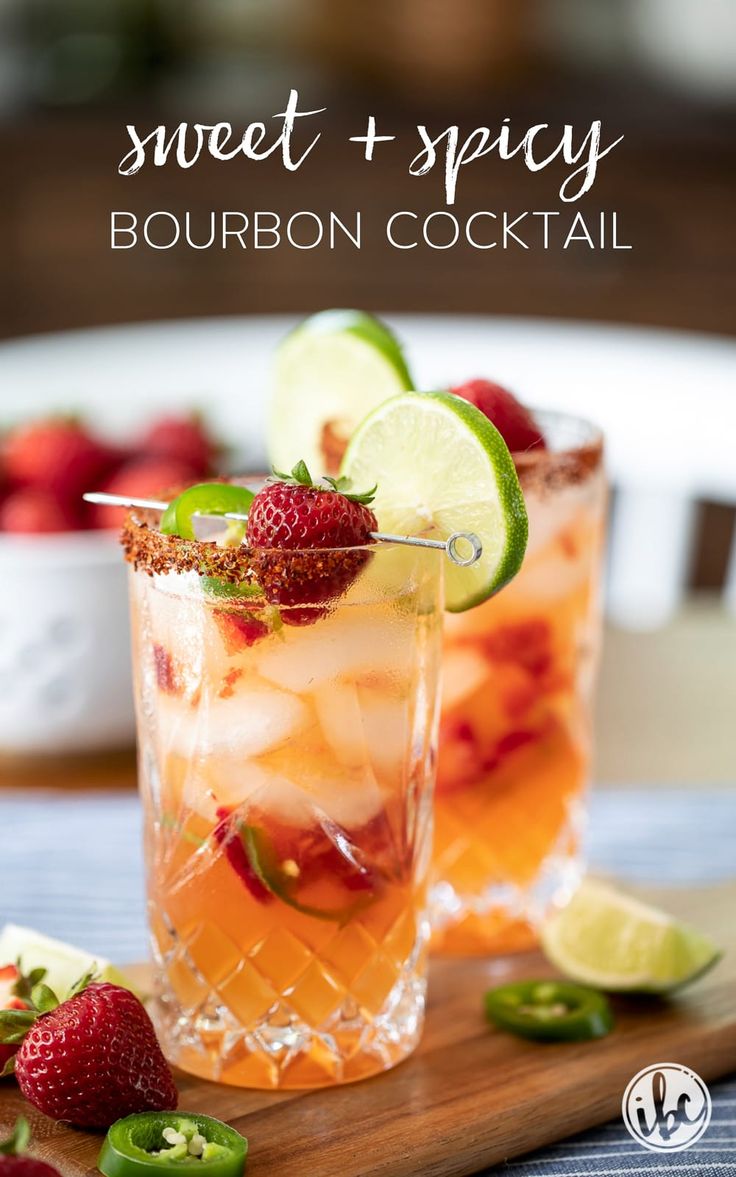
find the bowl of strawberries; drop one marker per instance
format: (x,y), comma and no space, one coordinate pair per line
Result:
(65,680)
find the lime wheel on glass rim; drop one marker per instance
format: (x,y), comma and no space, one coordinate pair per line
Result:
(441,467)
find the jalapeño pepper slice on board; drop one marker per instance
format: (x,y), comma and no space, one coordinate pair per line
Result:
(149,1142)
(210,498)
(549,1011)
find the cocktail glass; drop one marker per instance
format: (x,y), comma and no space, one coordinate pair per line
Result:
(515,743)
(286,770)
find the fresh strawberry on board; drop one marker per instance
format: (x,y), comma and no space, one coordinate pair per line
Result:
(308,541)
(90,1059)
(512,420)
(14,1161)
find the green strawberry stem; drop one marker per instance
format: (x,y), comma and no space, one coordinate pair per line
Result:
(19,1139)
(15,1023)
(300,476)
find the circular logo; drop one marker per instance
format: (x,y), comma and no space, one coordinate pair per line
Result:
(666,1107)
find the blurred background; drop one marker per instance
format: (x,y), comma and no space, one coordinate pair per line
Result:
(661,72)
(74,72)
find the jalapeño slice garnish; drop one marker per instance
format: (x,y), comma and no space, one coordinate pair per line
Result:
(281,878)
(549,1011)
(251,852)
(142,1145)
(207,498)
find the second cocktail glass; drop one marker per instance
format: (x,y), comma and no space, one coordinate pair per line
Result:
(286,774)
(515,732)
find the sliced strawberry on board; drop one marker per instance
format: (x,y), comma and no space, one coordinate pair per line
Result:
(13,984)
(513,421)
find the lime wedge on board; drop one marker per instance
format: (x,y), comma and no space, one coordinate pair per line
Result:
(64,963)
(440,467)
(615,942)
(329,373)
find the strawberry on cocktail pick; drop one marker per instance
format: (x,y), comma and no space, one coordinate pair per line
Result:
(308,541)
(90,1059)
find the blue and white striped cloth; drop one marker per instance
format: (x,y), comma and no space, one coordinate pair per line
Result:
(71,866)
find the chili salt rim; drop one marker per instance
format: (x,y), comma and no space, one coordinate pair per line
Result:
(150,551)
(546,471)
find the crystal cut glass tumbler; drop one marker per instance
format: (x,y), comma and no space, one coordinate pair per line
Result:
(518,674)
(286,771)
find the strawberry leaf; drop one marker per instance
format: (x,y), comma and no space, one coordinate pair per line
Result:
(342,486)
(13,1019)
(82,982)
(43,998)
(301,474)
(24,985)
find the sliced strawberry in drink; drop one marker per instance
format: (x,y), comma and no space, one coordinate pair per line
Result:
(240,629)
(460,759)
(228,835)
(300,866)
(513,420)
(526,643)
(514,740)
(167,678)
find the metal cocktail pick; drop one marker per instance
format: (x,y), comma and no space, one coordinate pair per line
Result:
(448,546)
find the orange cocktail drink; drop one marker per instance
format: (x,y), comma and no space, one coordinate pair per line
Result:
(515,728)
(286,773)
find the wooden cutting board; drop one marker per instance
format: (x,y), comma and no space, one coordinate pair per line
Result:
(471,1096)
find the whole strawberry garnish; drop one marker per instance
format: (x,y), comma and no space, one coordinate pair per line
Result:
(324,526)
(56,455)
(13,1159)
(91,1059)
(182,439)
(512,420)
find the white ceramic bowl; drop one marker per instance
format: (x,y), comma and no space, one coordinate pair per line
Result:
(65,677)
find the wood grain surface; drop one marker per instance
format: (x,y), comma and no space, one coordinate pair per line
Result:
(471,1096)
